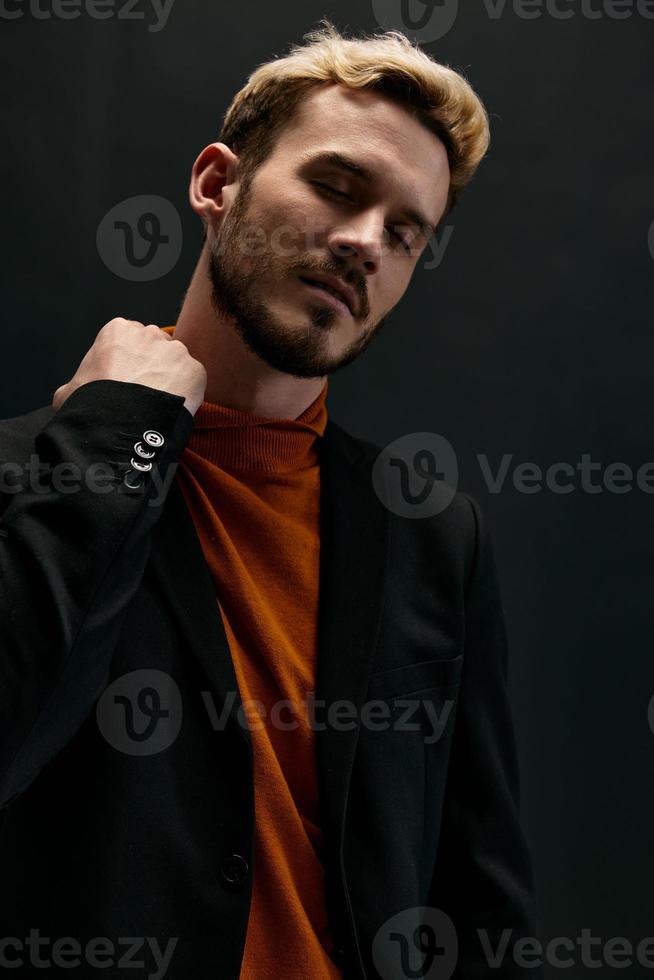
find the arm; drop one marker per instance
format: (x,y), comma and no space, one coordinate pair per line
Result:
(483,875)
(70,562)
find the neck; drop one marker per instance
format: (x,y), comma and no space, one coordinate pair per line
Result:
(236,377)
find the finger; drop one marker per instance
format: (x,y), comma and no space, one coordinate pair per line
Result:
(161,330)
(58,395)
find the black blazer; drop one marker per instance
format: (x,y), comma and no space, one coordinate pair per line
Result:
(117,845)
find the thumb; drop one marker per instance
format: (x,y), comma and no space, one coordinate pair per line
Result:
(59,396)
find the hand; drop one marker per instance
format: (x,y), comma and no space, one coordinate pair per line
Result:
(126,350)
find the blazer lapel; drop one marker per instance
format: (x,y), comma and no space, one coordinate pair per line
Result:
(354,547)
(179,566)
(354,555)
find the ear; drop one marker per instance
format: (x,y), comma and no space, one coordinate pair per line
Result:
(214,170)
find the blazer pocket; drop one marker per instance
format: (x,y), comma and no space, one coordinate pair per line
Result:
(410,678)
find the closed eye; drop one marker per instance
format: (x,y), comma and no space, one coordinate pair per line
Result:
(406,245)
(332,190)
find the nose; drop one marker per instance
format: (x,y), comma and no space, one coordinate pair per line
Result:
(362,236)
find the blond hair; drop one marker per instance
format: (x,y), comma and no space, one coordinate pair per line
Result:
(388,63)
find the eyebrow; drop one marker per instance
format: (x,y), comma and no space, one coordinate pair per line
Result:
(341,161)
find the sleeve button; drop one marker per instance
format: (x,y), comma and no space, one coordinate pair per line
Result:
(133,480)
(153,438)
(141,451)
(140,465)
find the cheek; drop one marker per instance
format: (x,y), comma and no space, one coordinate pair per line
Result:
(314,222)
(287,223)
(391,285)
(286,243)
(303,221)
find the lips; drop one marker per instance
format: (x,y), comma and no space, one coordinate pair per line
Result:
(336,288)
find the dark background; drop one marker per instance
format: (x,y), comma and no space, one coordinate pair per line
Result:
(533,337)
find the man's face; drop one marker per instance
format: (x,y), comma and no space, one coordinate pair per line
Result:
(305,215)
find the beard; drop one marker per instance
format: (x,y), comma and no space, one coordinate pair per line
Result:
(236,282)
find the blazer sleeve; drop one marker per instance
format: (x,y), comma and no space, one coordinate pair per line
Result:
(72,555)
(483,878)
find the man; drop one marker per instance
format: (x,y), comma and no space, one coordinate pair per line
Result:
(255,723)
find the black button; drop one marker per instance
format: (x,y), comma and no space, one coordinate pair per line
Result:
(140,466)
(141,451)
(133,480)
(235,869)
(153,438)
(338,954)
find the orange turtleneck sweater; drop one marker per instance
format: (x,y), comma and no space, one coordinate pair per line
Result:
(252,486)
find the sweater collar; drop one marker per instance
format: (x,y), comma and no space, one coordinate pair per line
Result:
(240,441)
